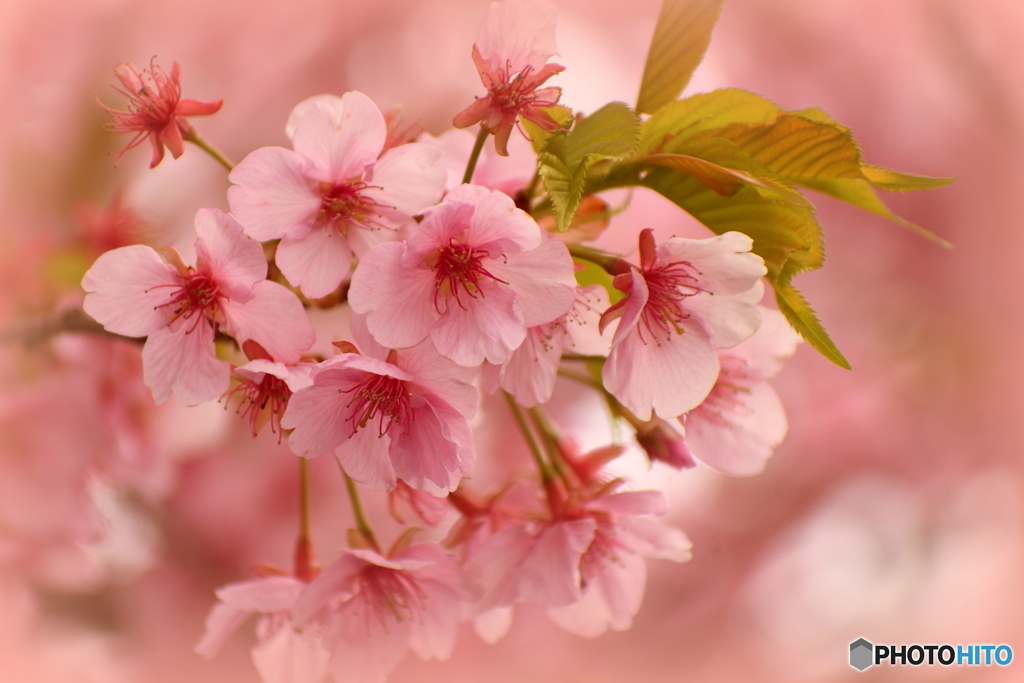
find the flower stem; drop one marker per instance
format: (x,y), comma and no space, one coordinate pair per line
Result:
(304,545)
(549,433)
(199,141)
(611,263)
(474,156)
(362,526)
(545,469)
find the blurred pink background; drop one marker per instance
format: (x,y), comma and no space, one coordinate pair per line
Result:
(894,511)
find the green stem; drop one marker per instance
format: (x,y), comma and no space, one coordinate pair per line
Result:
(612,264)
(199,141)
(474,156)
(545,469)
(357,509)
(551,437)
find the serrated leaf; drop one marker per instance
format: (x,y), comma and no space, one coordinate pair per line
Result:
(787,236)
(725,181)
(612,132)
(539,137)
(858,191)
(681,37)
(706,111)
(895,181)
(802,318)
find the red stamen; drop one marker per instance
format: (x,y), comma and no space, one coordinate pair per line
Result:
(459,267)
(381,397)
(197,295)
(344,204)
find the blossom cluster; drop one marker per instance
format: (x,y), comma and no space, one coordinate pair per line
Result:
(449,291)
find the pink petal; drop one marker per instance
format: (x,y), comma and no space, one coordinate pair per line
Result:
(184,364)
(272,594)
(120,291)
(224,252)
(341,138)
(549,573)
(496,225)
(725,263)
(671,377)
(729,319)
(652,538)
(427,456)
(316,263)
(530,372)
(197,108)
(610,600)
(273,317)
(221,623)
(366,457)
(446,221)
(542,278)
(739,442)
(408,178)
(489,327)
(271,196)
(436,375)
(398,300)
(291,657)
(632,503)
(317,414)
(520,33)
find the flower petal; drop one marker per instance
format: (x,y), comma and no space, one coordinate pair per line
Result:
(125,286)
(316,263)
(272,197)
(225,253)
(340,137)
(184,364)
(273,317)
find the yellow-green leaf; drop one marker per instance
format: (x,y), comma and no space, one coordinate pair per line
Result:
(612,132)
(681,37)
(706,111)
(805,322)
(538,136)
(895,181)
(725,181)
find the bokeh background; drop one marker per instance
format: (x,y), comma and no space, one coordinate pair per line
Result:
(894,510)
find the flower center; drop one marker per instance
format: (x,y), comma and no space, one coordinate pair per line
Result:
(457,273)
(198,296)
(269,395)
(389,596)
(667,287)
(381,397)
(345,204)
(511,93)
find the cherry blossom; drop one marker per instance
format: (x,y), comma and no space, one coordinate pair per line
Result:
(511,53)
(332,196)
(155,109)
(687,299)
(475,275)
(370,609)
(742,421)
(264,389)
(283,654)
(401,418)
(134,292)
(529,373)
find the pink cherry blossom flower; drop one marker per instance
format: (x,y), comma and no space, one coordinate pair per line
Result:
(613,570)
(529,373)
(155,109)
(265,387)
(742,421)
(475,275)
(132,291)
(371,609)
(283,654)
(331,196)
(688,298)
(402,418)
(515,42)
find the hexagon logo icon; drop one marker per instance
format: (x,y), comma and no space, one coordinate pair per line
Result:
(861,654)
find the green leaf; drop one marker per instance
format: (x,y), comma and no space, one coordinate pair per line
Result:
(726,181)
(701,113)
(806,323)
(681,37)
(611,132)
(895,181)
(538,136)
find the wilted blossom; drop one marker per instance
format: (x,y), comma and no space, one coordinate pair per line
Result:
(687,299)
(511,54)
(138,292)
(155,109)
(332,196)
(474,276)
(742,421)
